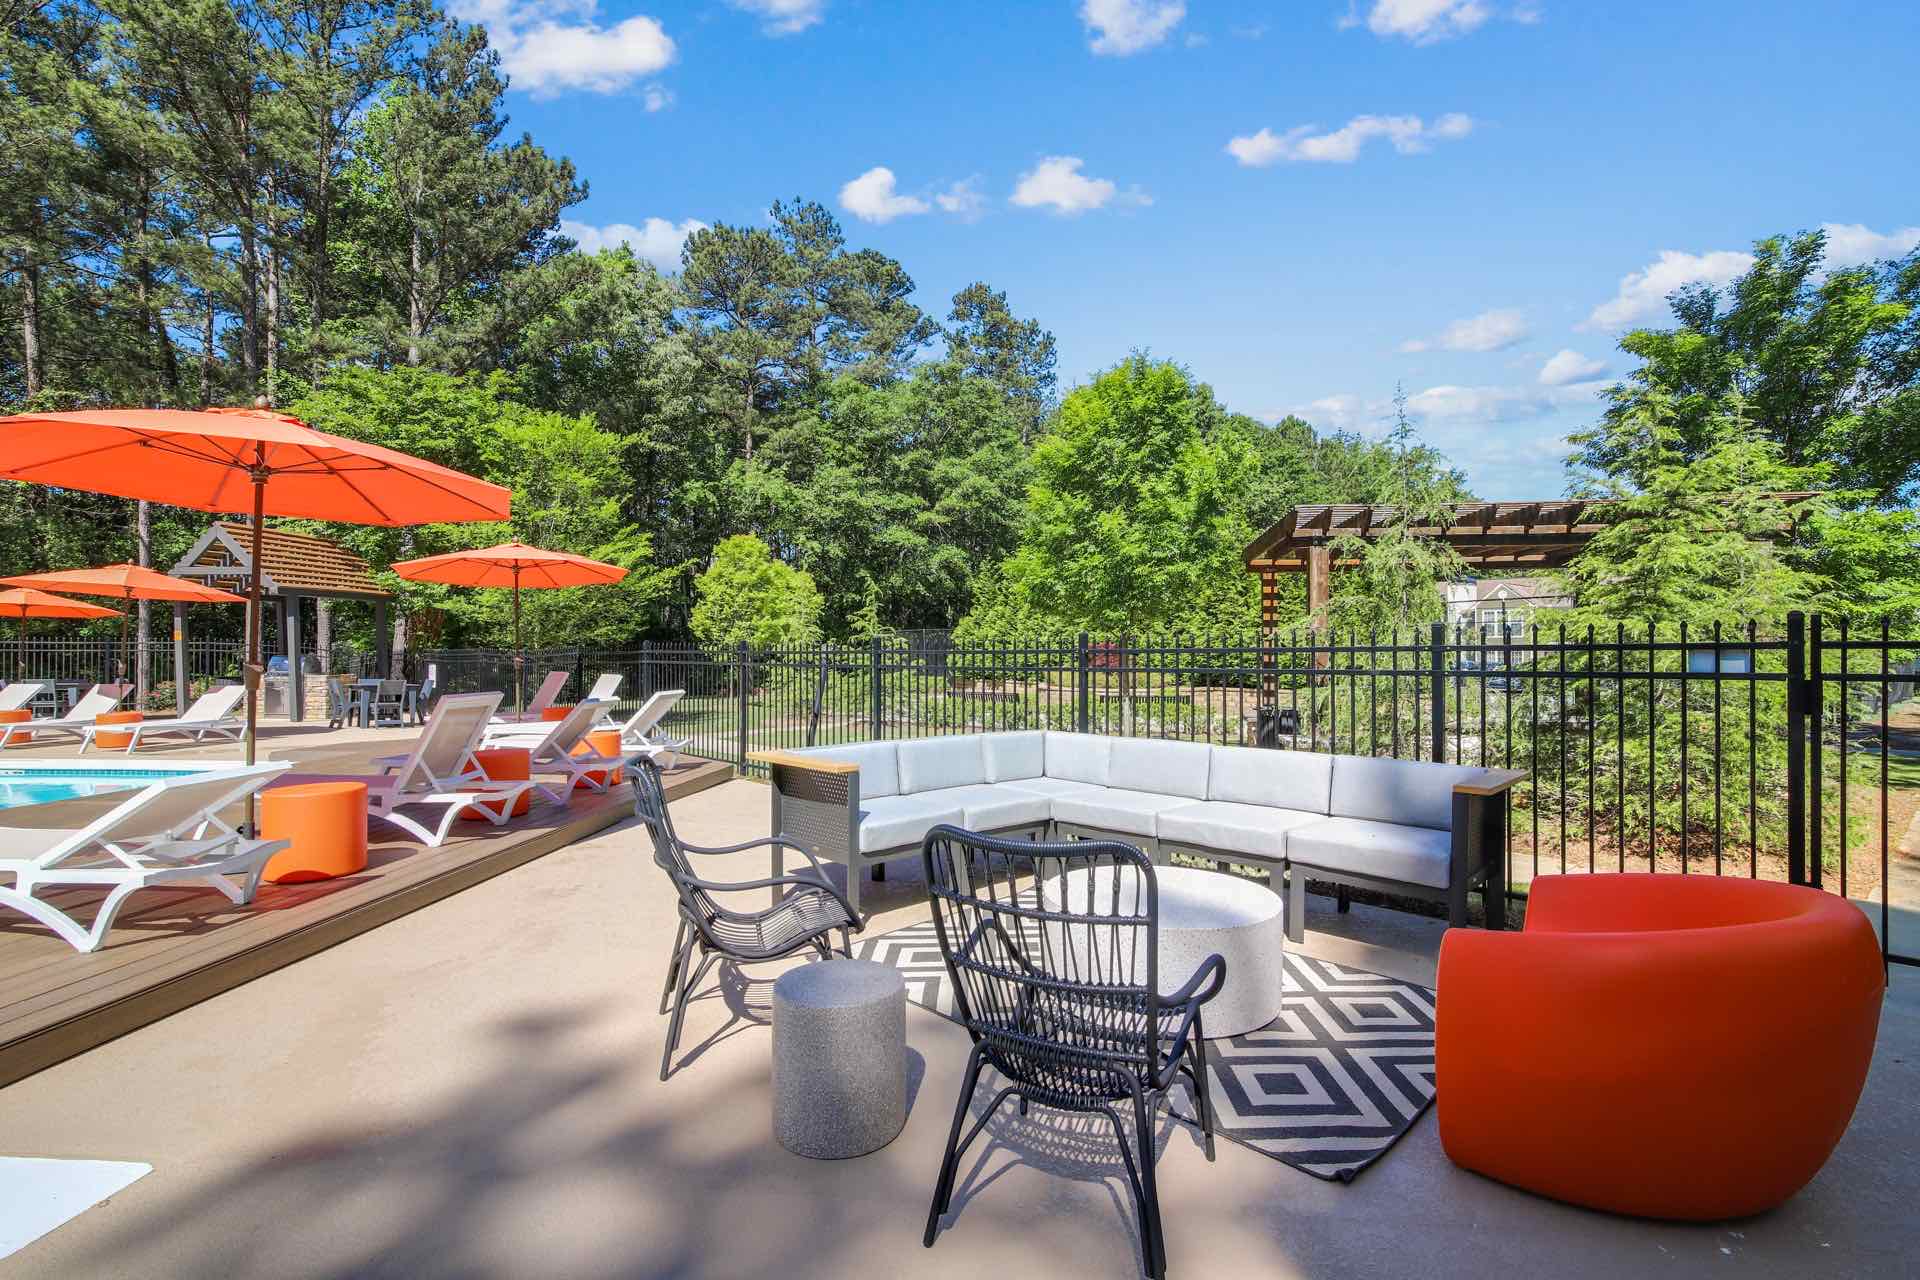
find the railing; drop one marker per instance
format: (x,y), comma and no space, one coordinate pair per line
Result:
(71,663)
(1773,753)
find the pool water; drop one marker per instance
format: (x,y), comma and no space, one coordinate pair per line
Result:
(21,787)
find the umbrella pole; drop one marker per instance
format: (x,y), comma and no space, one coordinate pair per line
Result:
(252,674)
(20,653)
(126,659)
(519,660)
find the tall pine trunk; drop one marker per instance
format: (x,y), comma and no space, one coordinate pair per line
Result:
(30,323)
(416,307)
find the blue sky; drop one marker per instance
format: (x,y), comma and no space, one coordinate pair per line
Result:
(1305,201)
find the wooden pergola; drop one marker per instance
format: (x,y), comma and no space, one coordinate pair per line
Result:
(294,567)
(1512,535)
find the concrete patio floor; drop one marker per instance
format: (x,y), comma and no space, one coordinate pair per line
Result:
(471,1091)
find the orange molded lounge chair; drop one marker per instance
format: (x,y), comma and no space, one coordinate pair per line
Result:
(1660,1045)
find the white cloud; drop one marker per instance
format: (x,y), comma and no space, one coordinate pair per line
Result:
(657,97)
(1056,183)
(657,241)
(1479,404)
(784,17)
(871,197)
(1568,366)
(1342,412)
(1849,244)
(1121,27)
(1425,21)
(963,200)
(1408,135)
(1488,331)
(550,46)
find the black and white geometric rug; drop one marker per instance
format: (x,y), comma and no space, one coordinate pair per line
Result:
(1326,1087)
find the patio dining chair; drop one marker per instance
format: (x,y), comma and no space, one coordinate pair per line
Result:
(805,914)
(1053,954)
(389,703)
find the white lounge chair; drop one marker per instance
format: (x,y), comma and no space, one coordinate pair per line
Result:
(562,750)
(78,719)
(543,697)
(641,731)
(213,712)
(19,693)
(605,687)
(439,773)
(168,832)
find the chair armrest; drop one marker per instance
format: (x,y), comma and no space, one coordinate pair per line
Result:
(809,764)
(1203,986)
(1489,782)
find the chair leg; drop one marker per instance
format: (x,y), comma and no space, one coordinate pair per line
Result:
(1202,1087)
(673,966)
(688,976)
(950,1160)
(1296,905)
(1153,1245)
(1342,900)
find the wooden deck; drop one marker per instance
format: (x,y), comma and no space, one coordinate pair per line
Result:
(172,948)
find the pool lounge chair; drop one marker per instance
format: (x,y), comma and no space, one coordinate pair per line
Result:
(213,712)
(604,687)
(439,773)
(641,731)
(560,749)
(78,718)
(19,693)
(167,833)
(543,697)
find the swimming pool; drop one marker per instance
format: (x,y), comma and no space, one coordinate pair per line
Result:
(46,781)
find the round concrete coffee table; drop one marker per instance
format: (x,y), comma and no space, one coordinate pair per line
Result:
(839,1058)
(1205,913)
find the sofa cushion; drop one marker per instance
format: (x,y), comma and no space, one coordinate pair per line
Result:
(1078,757)
(879,767)
(1385,850)
(993,808)
(1255,829)
(1164,768)
(893,822)
(1050,786)
(1409,792)
(1284,779)
(1128,812)
(1014,755)
(930,764)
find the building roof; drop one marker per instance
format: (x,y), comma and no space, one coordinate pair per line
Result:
(296,563)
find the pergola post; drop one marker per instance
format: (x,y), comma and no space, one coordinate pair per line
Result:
(1319,592)
(290,636)
(179,658)
(382,640)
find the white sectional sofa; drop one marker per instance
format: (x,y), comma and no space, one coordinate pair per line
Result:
(1431,831)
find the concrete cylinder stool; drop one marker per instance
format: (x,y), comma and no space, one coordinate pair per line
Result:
(839,1058)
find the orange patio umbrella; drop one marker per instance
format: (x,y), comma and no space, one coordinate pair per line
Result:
(128,582)
(256,461)
(516,565)
(25,602)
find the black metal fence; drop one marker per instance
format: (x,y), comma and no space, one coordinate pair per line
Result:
(1773,752)
(67,664)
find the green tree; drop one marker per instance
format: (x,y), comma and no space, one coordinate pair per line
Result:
(747,595)
(986,340)
(1135,516)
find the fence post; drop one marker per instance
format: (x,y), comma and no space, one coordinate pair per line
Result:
(1796,747)
(743,662)
(1436,652)
(644,676)
(1083,691)
(1816,733)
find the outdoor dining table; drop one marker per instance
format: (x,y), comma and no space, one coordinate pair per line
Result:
(365,688)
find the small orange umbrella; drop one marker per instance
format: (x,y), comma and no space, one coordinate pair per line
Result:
(128,582)
(516,565)
(25,602)
(240,460)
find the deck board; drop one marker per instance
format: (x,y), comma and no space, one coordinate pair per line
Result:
(172,948)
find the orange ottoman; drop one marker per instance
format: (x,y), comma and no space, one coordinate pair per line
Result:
(327,822)
(557,713)
(20,716)
(1667,1046)
(607,743)
(502,764)
(108,738)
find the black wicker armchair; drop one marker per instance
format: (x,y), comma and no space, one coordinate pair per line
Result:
(806,911)
(1054,957)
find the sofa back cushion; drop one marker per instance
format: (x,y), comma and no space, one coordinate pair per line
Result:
(1409,792)
(1010,756)
(879,765)
(1165,768)
(930,764)
(1078,757)
(1278,779)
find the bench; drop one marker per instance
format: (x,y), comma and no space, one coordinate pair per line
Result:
(1433,832)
